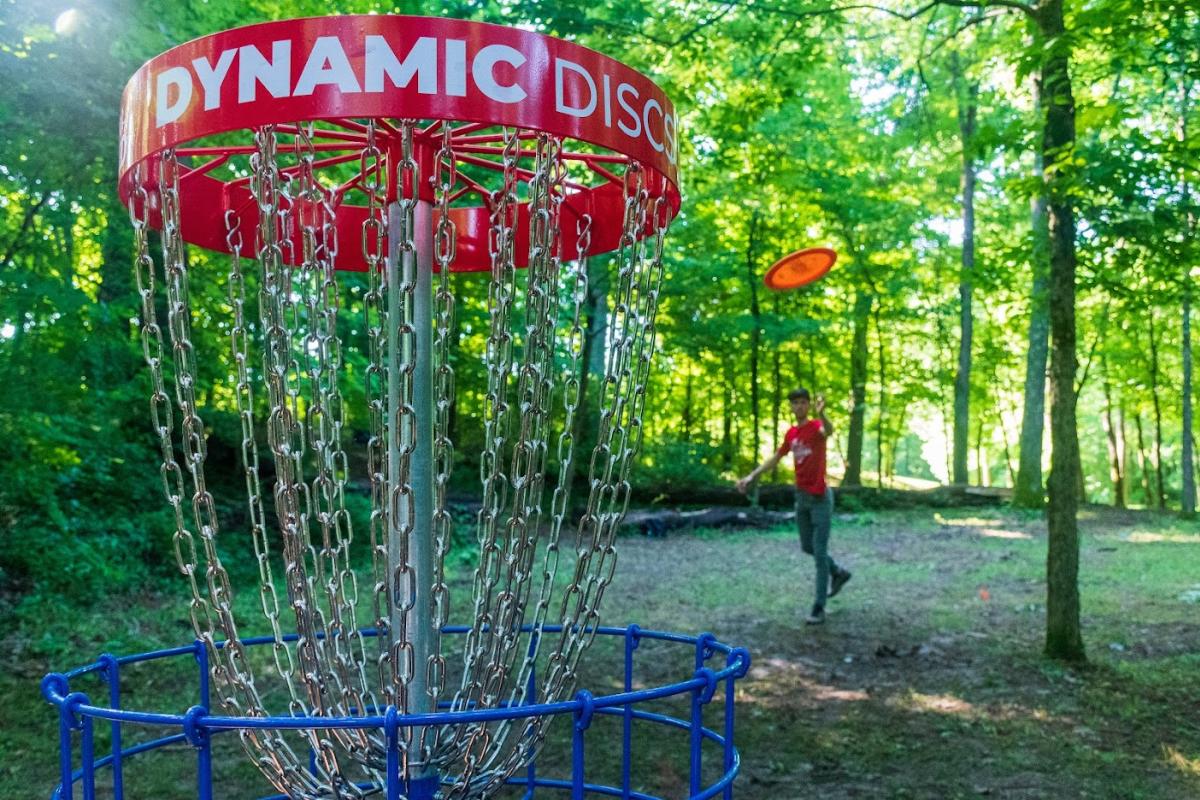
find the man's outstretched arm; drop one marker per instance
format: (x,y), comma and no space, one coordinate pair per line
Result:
(744,483)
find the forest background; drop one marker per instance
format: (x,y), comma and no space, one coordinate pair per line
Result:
(910,137)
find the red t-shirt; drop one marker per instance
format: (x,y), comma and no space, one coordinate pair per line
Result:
(807,445)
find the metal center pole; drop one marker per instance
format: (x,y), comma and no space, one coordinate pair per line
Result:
(413,265)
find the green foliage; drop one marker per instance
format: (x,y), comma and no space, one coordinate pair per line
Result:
(799,127)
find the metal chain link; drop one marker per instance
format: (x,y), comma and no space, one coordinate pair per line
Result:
(534,347)
(628,348)
(333,576)
(445,177)
(231,674)
(280,316)
(375,318)
(513,744)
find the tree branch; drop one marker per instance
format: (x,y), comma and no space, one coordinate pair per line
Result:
(1087,367)
(1014,5)
(14,245)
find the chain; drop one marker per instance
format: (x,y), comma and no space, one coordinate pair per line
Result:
(481,676)
(239,339)
(628,347)
(535,388)
(320,347)
(280,315)
(445,177)
(374,231)
(496,422)
(231,674)
(402,434)
(534,348)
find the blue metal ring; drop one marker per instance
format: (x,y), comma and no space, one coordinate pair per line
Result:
(196,726)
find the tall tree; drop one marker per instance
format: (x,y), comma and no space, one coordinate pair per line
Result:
(1029,491)
(1064,639)
(968,108)
(1187,493)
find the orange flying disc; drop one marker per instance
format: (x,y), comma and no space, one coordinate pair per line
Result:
(800,268)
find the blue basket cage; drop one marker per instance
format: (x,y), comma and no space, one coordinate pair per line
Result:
(78,716)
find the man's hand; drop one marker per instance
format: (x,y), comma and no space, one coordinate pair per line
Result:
(819,405)
(744,483)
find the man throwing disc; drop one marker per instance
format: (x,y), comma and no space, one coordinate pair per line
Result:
(814,499)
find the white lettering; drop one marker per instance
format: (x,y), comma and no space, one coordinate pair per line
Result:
(212,77)
(166,111)
(456,67)
(274,75)
(623,90)
(607,101)
(327,65)
(669,137)
(483,71)
(560,104)
(420,61)
(651,103)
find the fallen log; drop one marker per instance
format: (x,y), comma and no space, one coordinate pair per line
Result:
(657,523)
(846,498)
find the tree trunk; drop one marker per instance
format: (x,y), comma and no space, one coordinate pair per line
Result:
(1008,462)
(1187,495)
(755,332)
(777,382)
(727,421)
(1028,491)
(1064,640)
(967,109)
(981,456)
(858,388)
(1115,437)
(596,331)
(1144,461)
(1159,483)
(1188,468)
(895,442)
(879,437)
(686,420)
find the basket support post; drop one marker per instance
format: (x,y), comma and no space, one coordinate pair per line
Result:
(112,675)
(415,263)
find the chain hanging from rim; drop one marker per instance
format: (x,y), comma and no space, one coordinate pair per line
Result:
(289,362)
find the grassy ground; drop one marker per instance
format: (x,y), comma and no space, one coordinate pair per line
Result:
(926,681)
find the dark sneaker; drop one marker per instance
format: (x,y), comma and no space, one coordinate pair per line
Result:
(817,617)
(840,579)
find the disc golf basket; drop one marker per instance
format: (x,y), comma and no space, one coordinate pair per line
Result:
(406,149)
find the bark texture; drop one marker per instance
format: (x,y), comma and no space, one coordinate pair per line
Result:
(1064,639)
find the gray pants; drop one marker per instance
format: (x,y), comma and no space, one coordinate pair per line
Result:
(813,515)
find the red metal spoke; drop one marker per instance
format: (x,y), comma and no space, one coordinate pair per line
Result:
(603,158)
(348,124)
(325,162)
(249,149)
(470,127)
(323,133)
(526,173)
(479,162)
(588,158)
(388,127)
(491,137)
(602,172)
(354,183)
(203,168)
(471,186)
